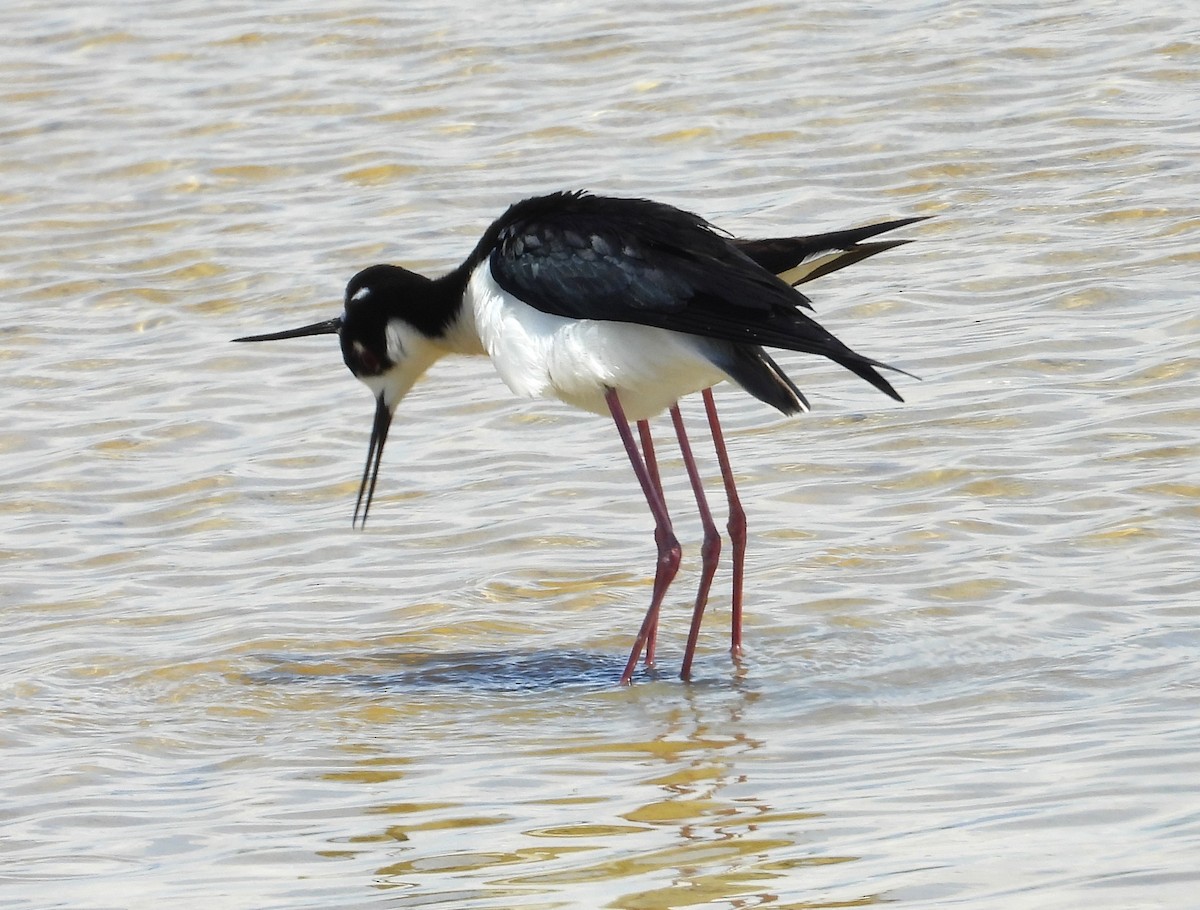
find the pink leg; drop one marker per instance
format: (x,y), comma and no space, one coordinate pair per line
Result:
(668,546)
(737,523)
(709,553)
(648,452)
(656,478)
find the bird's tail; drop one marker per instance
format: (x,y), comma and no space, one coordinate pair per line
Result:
(798,260)
(868,369)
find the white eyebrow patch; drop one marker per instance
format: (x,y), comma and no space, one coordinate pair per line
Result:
(361,294)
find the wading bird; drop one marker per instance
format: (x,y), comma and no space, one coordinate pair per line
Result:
(619,307)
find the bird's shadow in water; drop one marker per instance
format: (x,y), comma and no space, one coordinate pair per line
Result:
(457,671)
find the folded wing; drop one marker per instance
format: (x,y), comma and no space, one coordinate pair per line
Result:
(582,257)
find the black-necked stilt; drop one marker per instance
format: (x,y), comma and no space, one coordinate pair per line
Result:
(616,306)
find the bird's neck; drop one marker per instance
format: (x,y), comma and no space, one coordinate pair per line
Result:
(460,335)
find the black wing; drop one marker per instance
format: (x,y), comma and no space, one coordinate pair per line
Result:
(632,260)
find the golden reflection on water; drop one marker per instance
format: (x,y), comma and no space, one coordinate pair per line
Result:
(683,772)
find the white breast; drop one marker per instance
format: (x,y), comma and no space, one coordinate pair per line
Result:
(576,360)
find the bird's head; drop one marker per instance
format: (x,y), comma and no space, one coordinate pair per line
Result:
(386,341)
(388,331)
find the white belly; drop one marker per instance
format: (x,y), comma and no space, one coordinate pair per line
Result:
(577,360)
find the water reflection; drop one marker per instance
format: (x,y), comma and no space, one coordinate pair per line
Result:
(642,797)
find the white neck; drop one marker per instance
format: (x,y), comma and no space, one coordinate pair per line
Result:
(462,335)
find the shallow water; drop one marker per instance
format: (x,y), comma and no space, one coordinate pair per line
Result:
(973,619)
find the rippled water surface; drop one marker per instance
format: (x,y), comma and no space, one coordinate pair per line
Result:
(973,621)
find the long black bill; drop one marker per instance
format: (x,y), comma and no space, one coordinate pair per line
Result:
(379,432)
(328,327)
